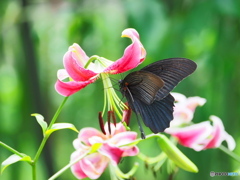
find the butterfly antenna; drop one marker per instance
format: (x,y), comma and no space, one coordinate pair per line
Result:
(114,80)
(140,127)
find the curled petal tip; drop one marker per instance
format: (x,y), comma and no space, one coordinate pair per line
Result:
(130,32)
(133,55)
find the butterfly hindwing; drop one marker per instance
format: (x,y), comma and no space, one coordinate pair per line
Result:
(156,116)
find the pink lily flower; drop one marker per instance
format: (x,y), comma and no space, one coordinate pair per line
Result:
(184,108)
(203,135)
(112,148)
(81,70)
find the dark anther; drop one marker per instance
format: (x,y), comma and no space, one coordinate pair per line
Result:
(109,121)
(101,123)
(113,118)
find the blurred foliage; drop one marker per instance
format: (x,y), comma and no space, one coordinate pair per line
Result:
(35,35)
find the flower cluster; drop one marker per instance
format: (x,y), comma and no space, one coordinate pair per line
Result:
(82,70)
(198,136)
(111,148)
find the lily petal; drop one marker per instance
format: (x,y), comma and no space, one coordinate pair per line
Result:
(112,152)
(123,138)
(133,55)
(114,129)
(69,88)
(79,54)
(62,74)
(130,151)
(77,144)
(86,133)
(76,69)
(193,102)
(76,168)
(192,136)
(179,98)
(119,128)
(230,141)
(217,133)
(181,115)
(93,165)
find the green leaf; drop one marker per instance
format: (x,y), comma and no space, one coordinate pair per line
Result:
(41,122)
(176,155)
(13,159)
(58,126)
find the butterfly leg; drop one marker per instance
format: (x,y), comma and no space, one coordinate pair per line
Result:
(140,127)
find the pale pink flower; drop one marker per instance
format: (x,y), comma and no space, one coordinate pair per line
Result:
(184,108)
(112,148)
(81,71)
(203,135)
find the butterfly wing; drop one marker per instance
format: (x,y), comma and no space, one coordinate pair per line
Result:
(154,103)
(141,85)
(156,116)
(171,71)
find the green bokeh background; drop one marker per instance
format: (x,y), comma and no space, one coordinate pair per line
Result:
(35,34)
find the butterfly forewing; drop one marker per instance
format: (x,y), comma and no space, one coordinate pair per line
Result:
(171,71)
(142,85)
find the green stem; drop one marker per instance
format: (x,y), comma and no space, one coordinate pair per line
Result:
(39,151)
(230,153)
(152,160)
(11,149)
(34,175)
(49,127)
(127,175)
(69,165)
(57,113)
(93,58)
(113,175)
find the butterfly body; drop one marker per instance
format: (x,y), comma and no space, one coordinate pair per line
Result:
(148,90)
(149,82)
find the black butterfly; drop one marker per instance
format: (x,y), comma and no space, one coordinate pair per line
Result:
(148,91)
